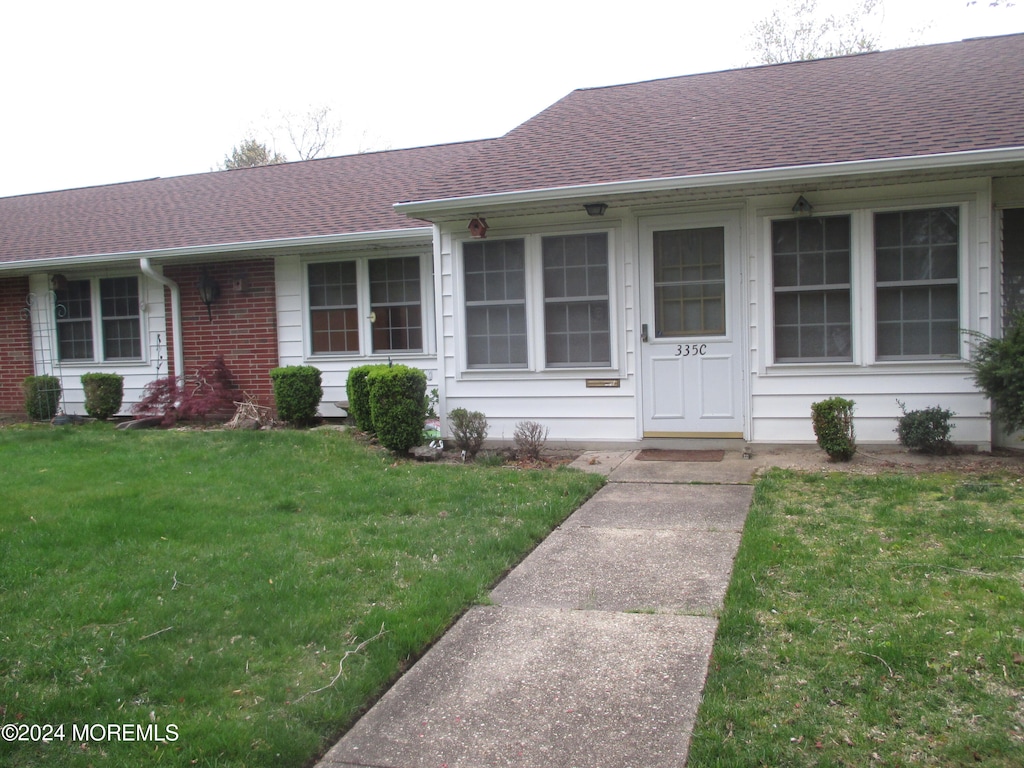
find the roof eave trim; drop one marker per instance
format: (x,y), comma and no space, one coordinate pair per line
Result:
(426,208)
(396,236)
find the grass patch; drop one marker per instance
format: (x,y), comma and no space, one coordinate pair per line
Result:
(872,621)
(214,580)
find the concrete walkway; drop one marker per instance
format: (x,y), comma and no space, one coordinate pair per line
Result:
(596,648)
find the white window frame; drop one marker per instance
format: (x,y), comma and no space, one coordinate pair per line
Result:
(536,363)
(362,261)
(99,346)
(864,284)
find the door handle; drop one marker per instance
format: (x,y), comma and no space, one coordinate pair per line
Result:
(643,332)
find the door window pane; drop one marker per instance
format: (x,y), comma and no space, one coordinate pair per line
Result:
(689,282)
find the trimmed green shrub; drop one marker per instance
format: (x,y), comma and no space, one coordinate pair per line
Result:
(297,393)
(833,426)
(104,393)
(469,430)
(397,405)
(42,396)
(358,391)
(998,368)
(926,430)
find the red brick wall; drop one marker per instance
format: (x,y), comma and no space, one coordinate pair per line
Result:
(15,344)
(244,324)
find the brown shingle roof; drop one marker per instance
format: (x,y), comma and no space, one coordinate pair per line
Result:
(927,100)
(340,195)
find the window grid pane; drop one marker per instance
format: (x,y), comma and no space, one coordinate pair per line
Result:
(122,328)
(74,321)
(576,316)
(917,296)
(811,278)
(495,281)
(689,282)
(395,303)
(333,309)
(1013,264)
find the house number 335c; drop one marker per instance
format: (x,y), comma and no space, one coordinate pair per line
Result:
(691,350)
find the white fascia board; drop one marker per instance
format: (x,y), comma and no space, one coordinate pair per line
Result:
(471,204)
(391,236)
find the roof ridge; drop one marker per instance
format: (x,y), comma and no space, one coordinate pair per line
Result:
(750,67)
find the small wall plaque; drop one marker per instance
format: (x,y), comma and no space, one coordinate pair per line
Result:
(602,383)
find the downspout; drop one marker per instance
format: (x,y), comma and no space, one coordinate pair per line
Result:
(179,351)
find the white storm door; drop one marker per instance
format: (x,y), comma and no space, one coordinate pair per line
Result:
(691,339)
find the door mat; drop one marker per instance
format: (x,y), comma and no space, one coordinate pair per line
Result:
(656,454)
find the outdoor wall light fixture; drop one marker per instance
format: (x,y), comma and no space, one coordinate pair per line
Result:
(802,207)
(595,209)
(209,292)
(478,227)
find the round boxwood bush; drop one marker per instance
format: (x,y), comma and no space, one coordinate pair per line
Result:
(297,393)
(926,430)
(398,406)
(358,391)
(42,396)
(104,393)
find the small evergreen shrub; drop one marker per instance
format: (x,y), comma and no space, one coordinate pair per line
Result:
(833,426)
(469,430)
(297,393)
(42,396)
(998,369)
(397,405)
(358,391)
(529,438)
(926,430)
(104,393)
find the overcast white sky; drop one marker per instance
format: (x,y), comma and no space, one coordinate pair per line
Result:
(103,91)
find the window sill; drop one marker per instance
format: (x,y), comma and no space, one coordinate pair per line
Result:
(546,374)
(866,369)
(381,357)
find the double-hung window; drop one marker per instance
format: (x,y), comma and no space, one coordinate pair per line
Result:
(811,275)
(117,335)
(917,293)
(540,292)
(576,326)
(365,306)
(495,284)
(914,258)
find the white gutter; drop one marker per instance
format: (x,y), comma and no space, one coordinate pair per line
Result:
(387,236)
(794,173)
(176,333)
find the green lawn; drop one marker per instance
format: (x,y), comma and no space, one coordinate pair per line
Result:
(207,587)
(872,621)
